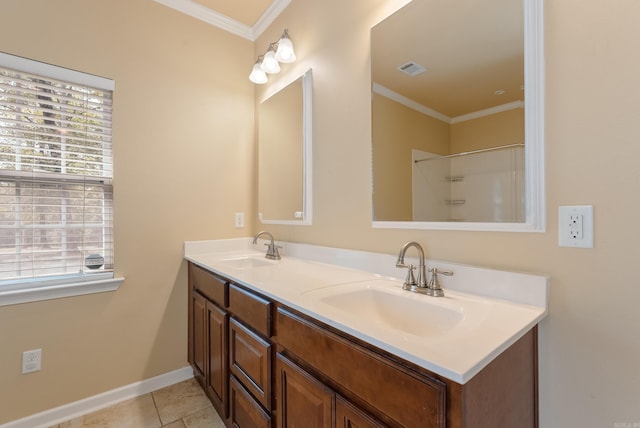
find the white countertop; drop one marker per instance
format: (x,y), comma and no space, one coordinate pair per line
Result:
(486,310)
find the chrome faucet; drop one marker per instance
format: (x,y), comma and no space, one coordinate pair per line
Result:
(420,285)
(272,249)
(411,283)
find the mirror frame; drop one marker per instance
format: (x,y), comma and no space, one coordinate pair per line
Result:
(535,206)
(307,148)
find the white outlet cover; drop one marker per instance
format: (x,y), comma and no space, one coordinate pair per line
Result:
(566,236)
(31,361)
(239,220)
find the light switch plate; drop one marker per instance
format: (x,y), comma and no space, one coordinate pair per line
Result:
(575,226)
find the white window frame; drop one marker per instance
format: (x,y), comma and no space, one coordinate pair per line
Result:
(25,290)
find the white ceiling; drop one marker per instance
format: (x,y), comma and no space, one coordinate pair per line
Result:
(245,18)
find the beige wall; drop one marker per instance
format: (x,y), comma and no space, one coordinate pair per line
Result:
(183,147)
(499,129)
(590,343)
(398,130)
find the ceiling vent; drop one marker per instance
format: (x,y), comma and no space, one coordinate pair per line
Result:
(412,68)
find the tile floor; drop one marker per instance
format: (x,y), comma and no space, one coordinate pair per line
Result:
(183,405)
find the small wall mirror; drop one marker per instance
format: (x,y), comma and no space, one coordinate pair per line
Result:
(284,154)
(456,143)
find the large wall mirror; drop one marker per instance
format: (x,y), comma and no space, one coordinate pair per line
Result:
(457,116)
(284,154)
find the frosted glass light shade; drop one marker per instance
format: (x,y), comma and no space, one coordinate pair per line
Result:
(285,53)
(270,63)
(258,75)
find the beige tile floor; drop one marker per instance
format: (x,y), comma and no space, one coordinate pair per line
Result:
(183,405)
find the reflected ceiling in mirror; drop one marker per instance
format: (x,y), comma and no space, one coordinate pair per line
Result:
(449,116)
(284,154)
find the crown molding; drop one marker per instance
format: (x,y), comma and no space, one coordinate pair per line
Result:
(408,102)
(209,16)
(488,111)
(269,15)
(401,99)
(223,22)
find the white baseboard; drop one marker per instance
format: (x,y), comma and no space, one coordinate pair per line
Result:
(91,404)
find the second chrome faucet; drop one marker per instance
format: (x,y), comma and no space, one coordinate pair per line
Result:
(420,284)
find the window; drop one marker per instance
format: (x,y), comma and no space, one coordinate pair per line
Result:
(56,173)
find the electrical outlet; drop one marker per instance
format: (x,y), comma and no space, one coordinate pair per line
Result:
(576,221)
(575,226)
(239,220)
(31,361)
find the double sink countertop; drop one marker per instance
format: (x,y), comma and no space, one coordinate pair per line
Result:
(484,311)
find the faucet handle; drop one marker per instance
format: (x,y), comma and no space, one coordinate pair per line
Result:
(272,251)
(410,281)
(434,287)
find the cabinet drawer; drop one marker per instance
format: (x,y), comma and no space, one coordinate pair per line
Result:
(362,375)
(250,361)
(208,284)
(245,412)
(253,310)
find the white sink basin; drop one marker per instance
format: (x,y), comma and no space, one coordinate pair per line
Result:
(384,304)
(246,262)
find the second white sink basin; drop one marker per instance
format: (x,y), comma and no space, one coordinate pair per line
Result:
(384,303)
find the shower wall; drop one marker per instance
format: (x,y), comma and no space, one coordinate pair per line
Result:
(483,187)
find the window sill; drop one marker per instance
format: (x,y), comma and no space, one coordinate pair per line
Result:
(34,291)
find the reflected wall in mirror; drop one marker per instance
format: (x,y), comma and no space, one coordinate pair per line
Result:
(284,154)
(455,143)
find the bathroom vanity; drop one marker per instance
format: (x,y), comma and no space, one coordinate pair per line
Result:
(299,342)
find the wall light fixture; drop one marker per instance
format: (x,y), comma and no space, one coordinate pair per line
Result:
(269,63)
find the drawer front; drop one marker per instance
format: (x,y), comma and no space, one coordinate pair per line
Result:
(245,412)
(385,387)
(208,284)
(253,310)
(250,361)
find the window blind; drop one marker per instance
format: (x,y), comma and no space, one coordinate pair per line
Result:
(56,171)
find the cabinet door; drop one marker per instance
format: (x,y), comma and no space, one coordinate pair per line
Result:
(303,401)
(348,416)
(198,335)
(245,411)
(218,374)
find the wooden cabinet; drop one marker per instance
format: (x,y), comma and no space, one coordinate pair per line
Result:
(348,416)
(396,395)
(198,336)
(245,412)
(265,365)
(229,348)
(303,401)
(250,361)
(379,389)
(208,331)
(217,326)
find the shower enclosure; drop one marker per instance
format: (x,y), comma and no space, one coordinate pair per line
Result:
(484,185)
